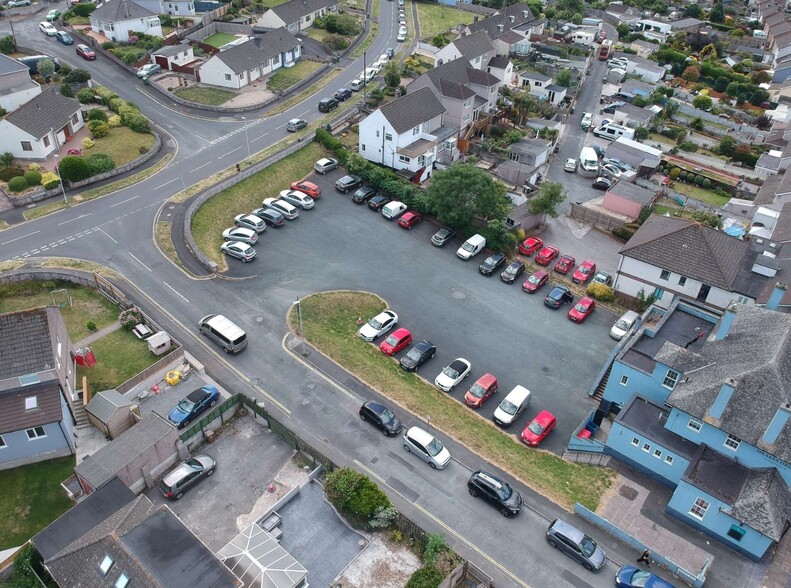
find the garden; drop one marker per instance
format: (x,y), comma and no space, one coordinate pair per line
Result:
(335,30)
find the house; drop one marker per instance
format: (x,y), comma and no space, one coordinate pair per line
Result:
(632,88)
(169,55)
(640,156)
(16,87)
(41,126)
(654,29)
(174,7)
(509,29)
(634,116)
(111,413)
(476,48)
(116,20)
(243,64)
(644,48)
(502,68)
(530,152)
(687,25)
(648,70)
(296,15)
(535,83)
(628,199)
(37,376)
(408,134)
(624,14)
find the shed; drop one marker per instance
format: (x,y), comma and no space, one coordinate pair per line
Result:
(110,412)
(628,199)
(159,343)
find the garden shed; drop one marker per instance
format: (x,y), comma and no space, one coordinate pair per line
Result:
(111,413)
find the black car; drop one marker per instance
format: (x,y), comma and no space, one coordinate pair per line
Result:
(558,296)
(381,417)
(377,202)
(270,216)
(418,355)
(343,93)
(347,183)
(513,271)
(492,263)
(489,487)
(600,152)
(602,183)
(441,237)
(363,195)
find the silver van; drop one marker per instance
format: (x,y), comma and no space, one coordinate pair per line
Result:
(512,406)
(223,332)
(623,325)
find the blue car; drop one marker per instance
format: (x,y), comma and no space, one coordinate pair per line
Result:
(194,404)
(634,577)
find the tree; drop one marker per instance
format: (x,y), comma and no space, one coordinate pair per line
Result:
(570,7)
(722,83)
(439,41)
(65,89)
(709,219)
(550,196)
(623,30)
(74,169)
(46,67)
(697,124)
(708,52)
(763,122)
(702,101)
(670,109)
(6,159)
(392,77)
(691,74)
(7,45)
(564,78)
(759,97)
(576,18)
(727,146)
(641,133)
(717,13)
(692,11)
(524,104)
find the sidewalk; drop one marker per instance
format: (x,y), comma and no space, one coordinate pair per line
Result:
(779,573)
(96,335)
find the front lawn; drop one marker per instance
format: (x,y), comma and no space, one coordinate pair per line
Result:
(701,194)
(209,96)
(286,77)
(31,498)
(219,39)
(122,144)
(318,34)
(119,356)
(438,18)
(273,3)
(330,323)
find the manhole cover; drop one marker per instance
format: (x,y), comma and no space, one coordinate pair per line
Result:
(627,492)
(457,294)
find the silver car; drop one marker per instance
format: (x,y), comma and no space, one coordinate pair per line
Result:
(148,70)
(427,447)
(238,250)
(283,207)
(325,164)
(297,198)
(186,475)
(295,124)
(240,234)
(250,221)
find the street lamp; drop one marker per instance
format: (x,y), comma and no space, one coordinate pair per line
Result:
(246,136)
(62,187)
(299,314)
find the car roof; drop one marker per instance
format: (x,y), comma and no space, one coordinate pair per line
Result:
(560,287)
(402,332)
(376,407)
(198,394)
(424,344)
(518,394)
(181,471)
(540,273)
(459,361)
(567,530)
(490,479)
(544,416)
(420,435)
(485,380)
(388,313)
(497,255)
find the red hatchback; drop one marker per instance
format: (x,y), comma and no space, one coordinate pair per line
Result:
(582,310)
(530,245)
(308,188)
(396,341)
(546,255)
(484,387)
(534,282)
(564,264)
(585,272)
(409,219)
(539,428)
(85,52)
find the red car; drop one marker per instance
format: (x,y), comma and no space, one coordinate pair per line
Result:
(564,264)
(308,188)
(530,245)
(396,341)
(585,272)
(483,387)
(539,428)
(546,255)
(534,282)
(582,310)
(85,52)
(409,219)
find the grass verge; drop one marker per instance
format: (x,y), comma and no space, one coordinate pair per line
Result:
(119,356)
(162,233)
(285,77)
(31,498)
(123,145)
(438,18)
(209,96)
(372,32)
(3,225)
(219,39)
(309,91)
(375,8)
(701,194)
(329,322)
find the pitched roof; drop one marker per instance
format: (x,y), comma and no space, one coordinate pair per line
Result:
(120,11)
(534,75)
(764,502)
(25,341)
(498,62)
(633,192)
(10,65)
(689,249)
(636,113)
(490,25)
(258,50)
(473,45)
(49,110)
(782,230)
(171,50)
(413,109)
(293,11)
(530,146)
(13,413)
(455,90)
(106,403)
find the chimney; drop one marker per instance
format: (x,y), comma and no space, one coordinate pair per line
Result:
(776,426)
(511,18)
(776,296)
(726,321)
(717,409)
(500,28)
(526,13)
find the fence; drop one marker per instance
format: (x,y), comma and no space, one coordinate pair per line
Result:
(596,218)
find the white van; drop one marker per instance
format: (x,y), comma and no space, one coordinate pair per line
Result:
(589,161)
(512,406)
(370,73)
(612,131)
(471,247)
(223,332)
(393,209)
(357,85)
(623,325)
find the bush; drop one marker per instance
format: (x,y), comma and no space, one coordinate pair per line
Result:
(7,45)
(130,317)
(426,577)
(97,114)
(77,76)
(50,180)
(688,146)
(74,169)
(114,121)
(91,326)
(355,495)
(11,172)
(600,292)
(33,177)
(100,163)
(84,8)
(674,173)
(341,24)
(335,42)
(434,548)
(65,89)
(18,184)
(623,233)
(98,129)
(683,175)
(699,180)
(87,143)
(707,184)
(86,96)
(142,150)
(135,122)
(34,167)
(115,104)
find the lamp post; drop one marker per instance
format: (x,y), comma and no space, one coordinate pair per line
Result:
(62,187)
(246,136)
(299,314)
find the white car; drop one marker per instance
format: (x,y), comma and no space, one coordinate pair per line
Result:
(453,373)
(47,29)
(238,250)
(240,234)
(379,325)
(283,207)
(325,164)
(401,37)
(250,221)
(611,171)
(297,198)
(571,165)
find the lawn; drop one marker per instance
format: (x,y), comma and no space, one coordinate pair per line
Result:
(701,194)
(318,34)
(122,144)
(119,356)
(209,96)
(286,77)
(219,39)
(218,212)
(31,498)
(438,18)
(330,323)
(87,305)
(273,3)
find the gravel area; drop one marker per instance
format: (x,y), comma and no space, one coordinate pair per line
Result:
(382,564)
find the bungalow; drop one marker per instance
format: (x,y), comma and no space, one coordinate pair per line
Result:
(174,7)
(632,88)
(16,87)
(296,15)
(647,70)
(535,83)
(640,156)
(624,14)
(116,20)
(634,116)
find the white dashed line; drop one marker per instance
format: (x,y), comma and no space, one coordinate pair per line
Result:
(18,238)
(174,290)
(138,261)
(199,167)
(124,201)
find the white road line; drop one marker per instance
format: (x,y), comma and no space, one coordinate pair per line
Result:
(309,110)
(108,236)
(18,238)
(259,137)
(174,290)
(138,261)
(201,138)
(165,184)
(124,201)
(280,127)
(200,166)
(227,154)
(74,219)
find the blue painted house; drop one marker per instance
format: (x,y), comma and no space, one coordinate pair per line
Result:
(702,405)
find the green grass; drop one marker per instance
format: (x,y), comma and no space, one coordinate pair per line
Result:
(701,194)
(210,96)
(437,18)
(273,3)
(119,356)
(218,212)
(219,39)
(87,305)
(31,498)
(375,8)
(286,77)
(122,144)
(330,323)
(79,20)
(373,29)
(318,34)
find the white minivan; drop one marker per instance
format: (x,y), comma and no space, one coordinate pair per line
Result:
(393,209)
(623,325)
(512,406)
(471,247)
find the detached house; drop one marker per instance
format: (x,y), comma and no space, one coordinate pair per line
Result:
(296,15)
(509,29)
(476,48)
(117,20)
(16,87)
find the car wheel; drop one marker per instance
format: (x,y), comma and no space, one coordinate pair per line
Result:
(505,512)
(433,465)
(552,543)
(213,403)
(473,491)
(185,424)
(210,472)
(407,449)
(179,495)
(226,350)
(587,566)
(224,252)
(362,417)
(386,433)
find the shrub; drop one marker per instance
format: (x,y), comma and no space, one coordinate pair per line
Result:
(142,149)
(77,76)
(434,548)
(18,184)
(130,317)
(97,114)
(33,177)
(688,146)
(11,172)
(84,8)
(74,169)
(674,173)
(91,326)
(136,122)
(115,104)
(699,180)
(114,121)
(87,143)
(50,180)
(6,159)
(34,167)
(706,183)
(355,495)
(600,292)
(100,163)
(623,233)
(66,90)
(335,42)
(86,96)
(683,175)
(98,129)
(7,45)
(426,577)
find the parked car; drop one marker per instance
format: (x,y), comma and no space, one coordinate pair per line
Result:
(418,355)
(17,3)
(390,51)
(287,209)
(602,277)
(582,310)
(621,165)
(379,325)
(571,165)
(602,183)
(396,341)
(238,250)
(512,406)
(409,219)
(623,325)
(64,37)
(342,94)
(453,373)
(492,263)
(539,428)
(270,216)
(512,272)
(587,120)
(535,281)
(491,488)
(85,52)
(530,245)
(297,199)
(427,447)
(547,255)
(148,70)
(347,183)
(393,209)
(564,264)
(250,221)
(584,272)
(296,124)
(53,15)
(240,234)
(46,28)
(363,195)
(308,188)
(195,403)
(325,164)
(599,150)
(613,106)
(441,237)
(378,202)
(576,544)
(185,475)
(381,417)
(481,390)
(633,577)
(558,296)
(608,170)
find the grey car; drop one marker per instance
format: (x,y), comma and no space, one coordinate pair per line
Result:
(296,124)
(238,250)
(16,3)
(240,234)
(576,544)
(441,237)
(186,475)
(250,221)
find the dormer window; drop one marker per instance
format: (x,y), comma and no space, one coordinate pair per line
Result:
(31,403)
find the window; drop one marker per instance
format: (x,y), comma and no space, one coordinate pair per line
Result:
(403,159)
(665,275)
(74,119)
(427,126)
(658,293)
(658,453)
(26,146)
(624,380)
(742,300)
(682,281)
(466,117)
(635,441)
(35,433)
(227,77)
(388,137)
(46,140)
(671,377)
(669,459)
(467,102)
(732,442)
(31,402)
(416,131)
(694,425)
(362,147)
(513,156)
(699,509)
(377,134)
(106,564)
(646,447)
(122,581)
(421,161)
(736,532)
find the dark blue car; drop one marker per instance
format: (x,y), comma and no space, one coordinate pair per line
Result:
(194,404)
(634,577)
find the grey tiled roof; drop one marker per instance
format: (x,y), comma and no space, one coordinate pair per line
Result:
(783,188)
(499,62)
(636,113)
(633,192)
(534,75)
(689,249)
(258,50)
(25,341)
(473,45)
(481,77)
(47,111)
(782,231)
(458,71)
(530,146)
(556,88)
(766,193)
(764,502)
(413,109)
(120,10)
(106,403)
(490,25)
(293,11)
(455,90)
(171,50)
(9,65)
(510,37)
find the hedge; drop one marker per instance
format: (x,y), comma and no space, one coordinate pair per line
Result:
(18,184)
(425,577)
(74,168)
(33,177)
(355,495)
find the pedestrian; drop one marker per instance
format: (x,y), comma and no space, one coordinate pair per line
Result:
(645,558)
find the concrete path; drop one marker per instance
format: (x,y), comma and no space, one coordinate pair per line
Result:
(96,335)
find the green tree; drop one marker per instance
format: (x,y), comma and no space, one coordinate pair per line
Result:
(65,89)
(670,109)
(623,30)
(439,41)
(710,219)
(6,159)
(392,77)
(7,45)
(717,13)
(576,18)
(550,196)
(708,52)
(641,133)
(46,67)
(524,104)
(727,146)
(570,7)
(74,169)
(692,11)
(564,78)
(697,124)
(759,97)
(702,101)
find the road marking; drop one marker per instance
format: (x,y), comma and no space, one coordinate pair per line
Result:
(259,137)
(201,138)
(124,201)
(74,219)
(165,184)
(315,370)
(200,166)
(106,235)
(18,238)
(309,110)
(280,127)
(227,154)
(138,261)
(174,290)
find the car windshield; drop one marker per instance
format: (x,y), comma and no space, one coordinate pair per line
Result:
(375,324)
(640,579)
(451,372)
(387,416)
(186,406)
(622,324)
(535,428)
(195,464)
(477,390)
(588,546)
(511,269)
(556,294)
(414,353)
(391,340)
(468,246)
(434,447)
(581,307)
(504,492)
(584,270)
(533,279)
(508,407)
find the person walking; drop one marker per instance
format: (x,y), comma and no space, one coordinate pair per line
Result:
(645,558)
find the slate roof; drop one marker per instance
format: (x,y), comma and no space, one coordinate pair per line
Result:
(530,146)
(764,502)
(782,230)
(634,86)
(14,416)
(686,23)
(510,37)
(556,88)
(481,77)
(533,75)
(455,90)
(413,109)
(291,12)
(25,341)
(49,110)
(106,403)
(473,45)
(766,193)
(783,188)
(633,192)
(490,25)
(688,248)
(641,415)
(498,62)
(171,50)
(120,11)
(636,113)
(9,65)
(259,50)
